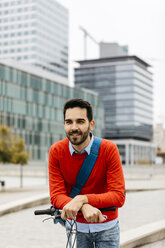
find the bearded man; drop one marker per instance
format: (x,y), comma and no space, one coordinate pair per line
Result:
(104,188)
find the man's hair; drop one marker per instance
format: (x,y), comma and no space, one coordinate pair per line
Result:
(77,102)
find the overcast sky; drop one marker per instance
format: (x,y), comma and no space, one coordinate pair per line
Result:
(140,24)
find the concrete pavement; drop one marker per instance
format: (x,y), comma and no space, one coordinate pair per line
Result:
(31,193)
(143,207)
(145,204)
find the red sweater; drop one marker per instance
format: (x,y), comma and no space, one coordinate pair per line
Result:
(105,186)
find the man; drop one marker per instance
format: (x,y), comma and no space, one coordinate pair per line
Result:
(104,188)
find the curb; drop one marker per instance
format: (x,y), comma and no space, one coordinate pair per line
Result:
(143,235)
(24,203)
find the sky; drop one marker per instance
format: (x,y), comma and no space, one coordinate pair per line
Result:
(140,24)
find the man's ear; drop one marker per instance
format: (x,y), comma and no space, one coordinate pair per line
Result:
(92,125)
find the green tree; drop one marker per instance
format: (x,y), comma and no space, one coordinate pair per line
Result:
(12,149)
(6,145)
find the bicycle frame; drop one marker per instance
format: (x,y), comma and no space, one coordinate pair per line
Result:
(56,216)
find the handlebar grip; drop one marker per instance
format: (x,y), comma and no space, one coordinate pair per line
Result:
(107,209)
(48,211)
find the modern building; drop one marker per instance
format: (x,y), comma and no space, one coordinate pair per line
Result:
(31,103)
(35,33)
(125,85)
(159,140)
(159,137)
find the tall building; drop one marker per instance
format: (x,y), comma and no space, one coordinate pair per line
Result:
(159,137)
(31,103)
(125,86)
(35,33)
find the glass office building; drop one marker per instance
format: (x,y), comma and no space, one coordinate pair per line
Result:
(125,86)
(35,33)
(32,105)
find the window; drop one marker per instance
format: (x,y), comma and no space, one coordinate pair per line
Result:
(26,17)
(33,31)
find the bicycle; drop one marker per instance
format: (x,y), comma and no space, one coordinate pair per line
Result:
(56,216)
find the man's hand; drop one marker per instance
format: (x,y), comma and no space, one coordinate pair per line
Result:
(71,209)
(92,214)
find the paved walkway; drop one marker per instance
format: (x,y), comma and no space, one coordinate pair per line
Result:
(158,244)
(11,193)
(145,204)
(26,230)
(23,229)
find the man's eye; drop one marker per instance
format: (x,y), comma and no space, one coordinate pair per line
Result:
(80,121)
(68,122)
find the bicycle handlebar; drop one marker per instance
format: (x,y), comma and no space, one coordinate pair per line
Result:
(51,210)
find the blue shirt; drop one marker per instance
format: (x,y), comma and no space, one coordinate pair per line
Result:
(85,227)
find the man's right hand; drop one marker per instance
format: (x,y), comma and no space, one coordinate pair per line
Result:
(71,209)
(92,214)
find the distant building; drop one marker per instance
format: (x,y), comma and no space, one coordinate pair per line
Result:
(159,137)
(31,103)
(35,33)
(125,86)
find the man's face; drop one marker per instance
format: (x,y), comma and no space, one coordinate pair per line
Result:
(77,126)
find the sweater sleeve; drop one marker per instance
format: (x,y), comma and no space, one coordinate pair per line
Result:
(115,195)
(58,193)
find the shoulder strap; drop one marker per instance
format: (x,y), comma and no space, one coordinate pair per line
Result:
(86,167)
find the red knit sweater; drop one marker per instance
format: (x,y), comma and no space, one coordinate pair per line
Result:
(105,186)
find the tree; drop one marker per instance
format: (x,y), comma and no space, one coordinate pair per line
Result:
(12,149)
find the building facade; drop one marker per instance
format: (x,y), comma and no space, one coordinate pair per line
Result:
(159,137)
(31,104)
(35,33)
(125,86)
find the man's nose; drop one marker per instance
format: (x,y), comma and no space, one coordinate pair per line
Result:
(74,126)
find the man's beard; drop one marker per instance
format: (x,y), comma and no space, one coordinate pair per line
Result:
(74,140)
